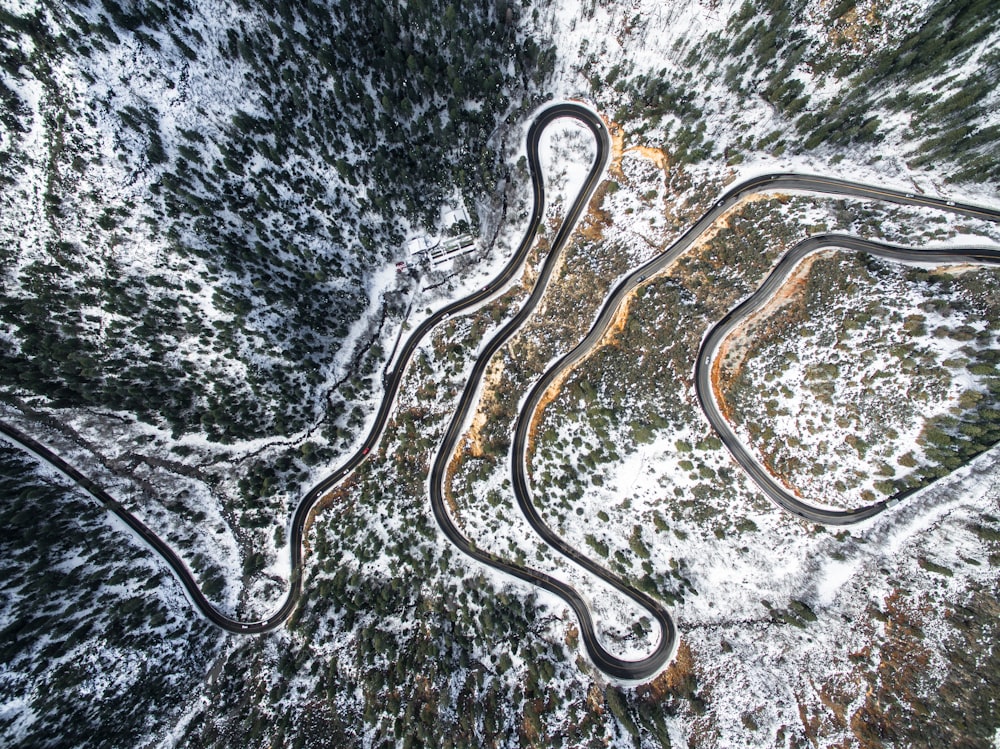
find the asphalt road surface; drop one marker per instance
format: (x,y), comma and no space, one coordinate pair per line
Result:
(703,369)
(765,183)
(605,661)
(601,657)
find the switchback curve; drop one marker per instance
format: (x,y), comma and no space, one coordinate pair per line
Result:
(703,369)
(392,384)
(611,665)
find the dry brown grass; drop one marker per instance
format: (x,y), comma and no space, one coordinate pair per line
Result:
(675,680)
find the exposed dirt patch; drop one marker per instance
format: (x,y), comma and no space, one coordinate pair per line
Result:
(657,155)
(956,270)
(617,324)
(491,382)
(676,680)
(597,219)
(733,351)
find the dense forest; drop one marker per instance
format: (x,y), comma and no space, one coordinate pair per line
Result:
(220,290)
(202,204)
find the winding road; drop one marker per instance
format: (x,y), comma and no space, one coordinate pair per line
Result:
(710,346)
(392,383)
(602,659)
(758,185)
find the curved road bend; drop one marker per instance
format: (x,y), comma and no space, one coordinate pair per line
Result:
(710,345)
(754,186)
(392,384)
(604,660)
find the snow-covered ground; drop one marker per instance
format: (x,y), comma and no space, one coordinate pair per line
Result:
(675,508)
(771,612)
(847,395)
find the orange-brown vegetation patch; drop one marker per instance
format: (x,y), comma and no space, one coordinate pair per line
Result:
(824,724)
(473,440)
(810,724)
(595,699)
(531,728)
(617,149)
(614,330)
(676,680)
(717,385)
(657,155)
(596,220)
(734,350)
(453,466)
(340,497)
(617,325)
(491,381)
(903,664)
(550,394)
(532,265)
(836,696)
(572,636)
(846,32)
(855,31)
(473,444)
